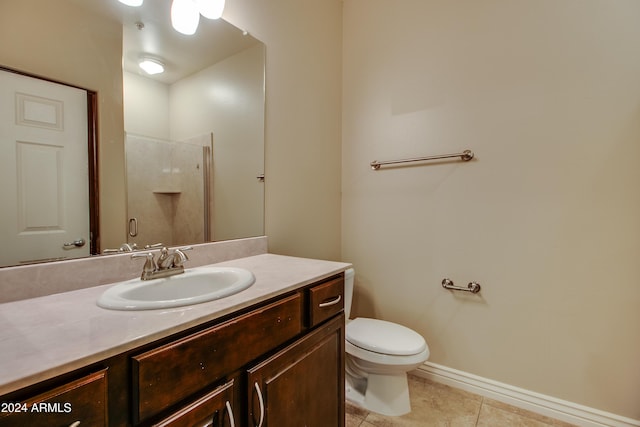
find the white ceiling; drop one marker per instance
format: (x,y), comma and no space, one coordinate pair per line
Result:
(182,55)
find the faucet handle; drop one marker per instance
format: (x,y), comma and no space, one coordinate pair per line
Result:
(126,247)
(150,264)
(179,257)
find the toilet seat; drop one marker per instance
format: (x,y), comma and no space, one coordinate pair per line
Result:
(380,336)
(374,362)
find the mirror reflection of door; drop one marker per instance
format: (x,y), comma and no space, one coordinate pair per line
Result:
(43,170)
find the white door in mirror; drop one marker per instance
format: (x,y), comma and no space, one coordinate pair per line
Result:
(43,170)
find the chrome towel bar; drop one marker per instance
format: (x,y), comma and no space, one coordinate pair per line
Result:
(466,155)
(472,287)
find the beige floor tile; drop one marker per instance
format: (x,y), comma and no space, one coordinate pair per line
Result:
(490,406)
(355,410)
(355,415)
(353,421)
(433,404)
(491,416)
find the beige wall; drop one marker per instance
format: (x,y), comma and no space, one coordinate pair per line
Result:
(546,218)
(303,110)
(227,99)
(146,107)
(56,40)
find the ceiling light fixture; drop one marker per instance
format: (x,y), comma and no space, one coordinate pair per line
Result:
(184,16)
(210,9)
(151,66)
(134,3)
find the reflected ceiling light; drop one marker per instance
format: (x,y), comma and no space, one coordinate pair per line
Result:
(151,66)
(185,16)
(134,3)
(211,9)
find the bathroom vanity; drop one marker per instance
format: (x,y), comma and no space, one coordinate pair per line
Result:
(272,355)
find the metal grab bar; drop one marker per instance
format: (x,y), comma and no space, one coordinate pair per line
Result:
(466,155)
(472,287)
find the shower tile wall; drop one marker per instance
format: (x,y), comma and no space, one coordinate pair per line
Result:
(165,191)
(189,220)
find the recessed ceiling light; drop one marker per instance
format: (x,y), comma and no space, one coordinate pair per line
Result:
(151,66)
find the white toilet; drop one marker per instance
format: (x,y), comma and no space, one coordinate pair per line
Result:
(379,355)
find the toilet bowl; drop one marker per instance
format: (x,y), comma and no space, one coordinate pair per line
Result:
(378,356)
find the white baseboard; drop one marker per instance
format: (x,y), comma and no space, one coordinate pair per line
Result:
(535,402)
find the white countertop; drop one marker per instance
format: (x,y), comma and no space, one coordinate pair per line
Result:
(43,337)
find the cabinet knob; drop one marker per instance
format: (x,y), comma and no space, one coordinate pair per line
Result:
(74,424)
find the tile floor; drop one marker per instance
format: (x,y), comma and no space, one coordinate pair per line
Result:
(435,404)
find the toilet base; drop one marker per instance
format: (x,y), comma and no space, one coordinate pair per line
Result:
(383,394)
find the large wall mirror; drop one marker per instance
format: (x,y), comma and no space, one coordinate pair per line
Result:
(180,153)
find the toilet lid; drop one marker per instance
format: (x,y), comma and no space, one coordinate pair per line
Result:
(384,337)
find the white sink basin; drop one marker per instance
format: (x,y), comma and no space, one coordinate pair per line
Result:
(194,286)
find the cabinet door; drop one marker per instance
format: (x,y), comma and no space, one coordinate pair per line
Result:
(302,385)
(167,375)
(79,403)
(212,410)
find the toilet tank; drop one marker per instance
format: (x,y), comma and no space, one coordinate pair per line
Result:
(348,291)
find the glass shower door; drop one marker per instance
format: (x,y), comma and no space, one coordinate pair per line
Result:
(168,190)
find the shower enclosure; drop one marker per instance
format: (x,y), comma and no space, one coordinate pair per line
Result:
(168,190)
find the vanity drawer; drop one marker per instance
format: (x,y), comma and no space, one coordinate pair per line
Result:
(82,402)
(165,376)
(325,300)
(214,409)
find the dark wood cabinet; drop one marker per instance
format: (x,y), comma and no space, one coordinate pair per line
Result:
(82,402)
(278,363)
(303,384)
(168,374)
(215,409)
(325,301)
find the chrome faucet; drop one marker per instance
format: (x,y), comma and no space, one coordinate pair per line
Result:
(125,247)
(167,260)
(169,263)
(128,247)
